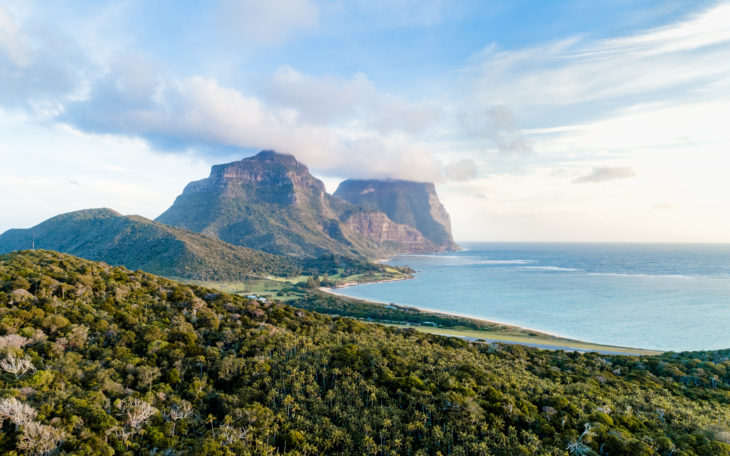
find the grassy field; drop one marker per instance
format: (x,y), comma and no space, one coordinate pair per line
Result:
(284,289)
(390,274)
(273,288)
(341,279)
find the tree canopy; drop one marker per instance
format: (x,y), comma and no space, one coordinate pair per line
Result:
(96,359)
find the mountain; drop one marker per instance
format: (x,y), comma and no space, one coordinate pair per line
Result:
(414,204)
(101,360)
(140,243)
(271,202)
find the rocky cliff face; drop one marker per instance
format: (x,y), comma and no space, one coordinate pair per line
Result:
(268,177)
(377,226)
(414,204)
(271,202)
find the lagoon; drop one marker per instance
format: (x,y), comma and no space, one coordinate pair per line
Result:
(653,296)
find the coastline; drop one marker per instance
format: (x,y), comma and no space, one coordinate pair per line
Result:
(352,284)
(445,313)
(532,338)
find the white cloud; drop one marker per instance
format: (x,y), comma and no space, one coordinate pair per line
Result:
(355,101)
(604,174)
(267,22)
(50,169)
(320,100)
(461,170)
(537,204)
(392,14)
(657,100)
(199,115)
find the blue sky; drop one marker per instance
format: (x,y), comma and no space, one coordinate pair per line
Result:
(538,120)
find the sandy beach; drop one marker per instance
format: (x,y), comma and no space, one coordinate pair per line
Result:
(529,337)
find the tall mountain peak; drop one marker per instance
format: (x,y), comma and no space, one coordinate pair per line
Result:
(410,203)
(267,176)
(271,202)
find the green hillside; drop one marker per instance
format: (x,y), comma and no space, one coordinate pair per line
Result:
(139,243)
(101,360)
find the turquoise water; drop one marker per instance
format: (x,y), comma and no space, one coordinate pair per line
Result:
(657,296)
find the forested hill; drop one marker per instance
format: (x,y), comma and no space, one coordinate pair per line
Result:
(139,243)
(101,360)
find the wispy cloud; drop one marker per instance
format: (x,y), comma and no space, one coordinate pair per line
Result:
(605,174)
(498,127)
(592,77)
(266,22)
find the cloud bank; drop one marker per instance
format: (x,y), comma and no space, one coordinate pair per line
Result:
(339,126)
(198,114)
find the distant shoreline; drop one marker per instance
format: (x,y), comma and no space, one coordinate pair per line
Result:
(543,339)
(332,290)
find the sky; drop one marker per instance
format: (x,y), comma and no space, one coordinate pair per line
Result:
(538,120)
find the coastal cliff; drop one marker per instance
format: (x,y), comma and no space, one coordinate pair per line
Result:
(414,204)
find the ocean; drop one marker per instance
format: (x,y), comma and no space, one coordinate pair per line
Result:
(654,296)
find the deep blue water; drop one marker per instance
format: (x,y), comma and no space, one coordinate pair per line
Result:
(657,296)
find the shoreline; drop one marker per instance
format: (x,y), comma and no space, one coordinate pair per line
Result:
(543,339)
(445,313)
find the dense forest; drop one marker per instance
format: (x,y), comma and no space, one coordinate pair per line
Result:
(96,359)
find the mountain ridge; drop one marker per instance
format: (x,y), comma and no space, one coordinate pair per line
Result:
(103,234)
(271,202)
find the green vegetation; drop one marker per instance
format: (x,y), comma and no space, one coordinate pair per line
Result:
(280,289)
(394,313)
(326,271)
(97,359)
(338,270)
(139,243)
